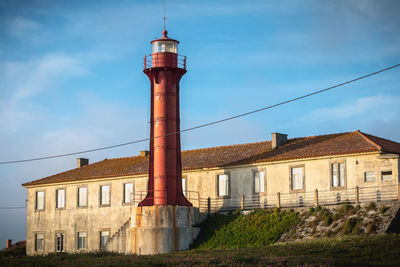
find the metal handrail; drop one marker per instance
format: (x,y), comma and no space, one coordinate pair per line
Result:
(378,186)
(150,62)
(303,199)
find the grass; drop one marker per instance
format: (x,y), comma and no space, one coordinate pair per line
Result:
(236,239)
(376,250)
(236,230)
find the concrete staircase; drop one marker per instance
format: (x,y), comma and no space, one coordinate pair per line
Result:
(117,242)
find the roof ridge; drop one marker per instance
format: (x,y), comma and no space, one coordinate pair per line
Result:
(205,148)
(314,136)
(266,141)
(70,170)
(129,157)
(368,140)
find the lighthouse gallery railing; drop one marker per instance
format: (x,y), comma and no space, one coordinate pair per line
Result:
(151,61)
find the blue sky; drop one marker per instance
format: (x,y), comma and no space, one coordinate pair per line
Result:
(71,77)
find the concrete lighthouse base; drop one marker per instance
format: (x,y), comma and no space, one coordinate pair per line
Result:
(161,229)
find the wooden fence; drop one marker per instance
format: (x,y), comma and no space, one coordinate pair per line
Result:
(314,198)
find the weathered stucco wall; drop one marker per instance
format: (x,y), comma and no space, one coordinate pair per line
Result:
(317,175)
(95,218)
(73,219)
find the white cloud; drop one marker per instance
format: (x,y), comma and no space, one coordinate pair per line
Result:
(40,75)
(379,106)
(20,81)
(22,26)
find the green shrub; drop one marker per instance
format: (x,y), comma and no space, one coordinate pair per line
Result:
(329,233)
(371,226)
(314,223)
(350,224)
(344,210)
(383,209)
(356,230)
(328,221)
(325,215)
(371,206)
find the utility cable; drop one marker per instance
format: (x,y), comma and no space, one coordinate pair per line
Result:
(206,124)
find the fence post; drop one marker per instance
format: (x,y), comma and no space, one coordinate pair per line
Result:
(278,200)
(242,202)
(357,195)
(316,198)
(208,205)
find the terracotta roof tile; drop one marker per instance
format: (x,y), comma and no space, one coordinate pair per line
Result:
(224,156)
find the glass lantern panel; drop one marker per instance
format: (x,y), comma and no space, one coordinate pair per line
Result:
(164,46)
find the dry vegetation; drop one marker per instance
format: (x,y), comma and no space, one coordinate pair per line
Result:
(343,220)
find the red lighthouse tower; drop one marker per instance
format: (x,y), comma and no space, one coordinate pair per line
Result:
(165,68)
(164,221)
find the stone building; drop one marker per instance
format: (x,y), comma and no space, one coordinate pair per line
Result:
(89,208)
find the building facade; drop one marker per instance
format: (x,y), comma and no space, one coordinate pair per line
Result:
(89,208)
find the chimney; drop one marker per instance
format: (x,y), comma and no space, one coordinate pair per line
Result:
(9,243)
(278,139)
(144,153)
(80,162)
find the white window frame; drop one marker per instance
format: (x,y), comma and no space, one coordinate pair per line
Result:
(223,185)
(338,174)
(297,186)
(81,240)
(82,200)
(37,235)
(128,194)
(105,195)
(385,175)
(368,175)
(258,181)
(40,201)
(60,198)
(104,233)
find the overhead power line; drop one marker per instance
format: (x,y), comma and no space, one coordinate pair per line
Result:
(207,124)
(11,208)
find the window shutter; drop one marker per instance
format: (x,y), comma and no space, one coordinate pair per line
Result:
(297,178)
(334,174)
(223,185)
(341,173)
(256,182)
(262,182)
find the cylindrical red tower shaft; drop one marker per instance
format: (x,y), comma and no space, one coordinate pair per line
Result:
(165,69)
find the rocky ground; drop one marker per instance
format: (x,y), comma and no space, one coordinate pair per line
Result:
(344,219)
